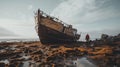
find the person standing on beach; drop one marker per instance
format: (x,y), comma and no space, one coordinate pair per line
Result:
(87,38)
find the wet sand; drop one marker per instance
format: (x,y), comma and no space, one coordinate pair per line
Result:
(35,54)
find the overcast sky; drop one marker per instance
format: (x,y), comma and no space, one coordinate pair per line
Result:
(88,16)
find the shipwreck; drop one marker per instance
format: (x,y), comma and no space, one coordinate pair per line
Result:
(53,30)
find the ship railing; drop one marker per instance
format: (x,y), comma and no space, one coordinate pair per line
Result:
(53,18)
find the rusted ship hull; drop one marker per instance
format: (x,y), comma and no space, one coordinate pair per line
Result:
(52,30)
(48,35)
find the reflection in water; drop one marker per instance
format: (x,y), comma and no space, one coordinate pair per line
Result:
(26,64)
(29,64)
(80,62)
(4,61)
(83,62)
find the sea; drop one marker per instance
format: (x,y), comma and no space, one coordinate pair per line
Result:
(18,40)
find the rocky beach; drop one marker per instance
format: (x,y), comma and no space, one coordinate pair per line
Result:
(35,54)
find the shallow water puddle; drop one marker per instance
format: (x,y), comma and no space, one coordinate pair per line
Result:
(84,62)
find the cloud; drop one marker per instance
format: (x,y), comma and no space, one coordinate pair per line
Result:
(21,28)
(5,32)
(84,11)
(30,7)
